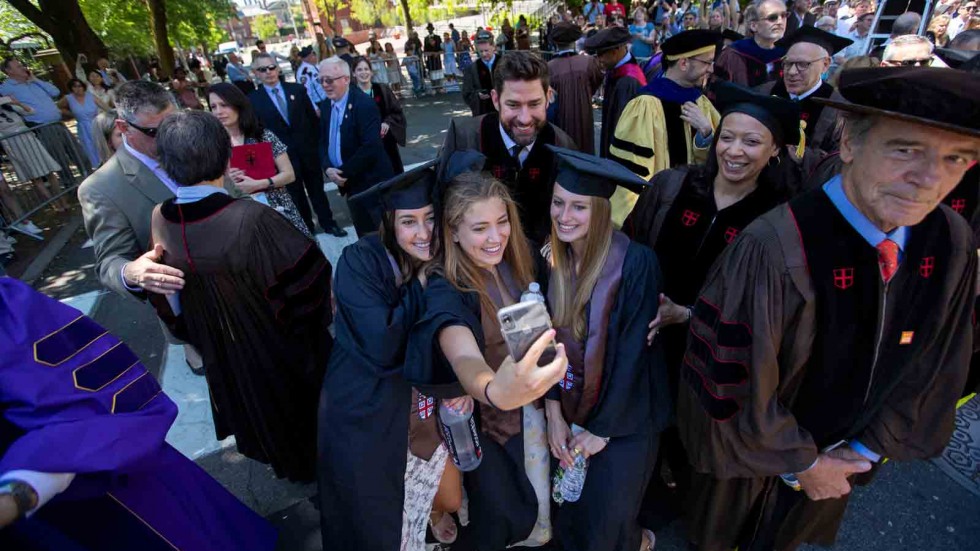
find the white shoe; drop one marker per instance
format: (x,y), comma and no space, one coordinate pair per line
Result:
(29,227)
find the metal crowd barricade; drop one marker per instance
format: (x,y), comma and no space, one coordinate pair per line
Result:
(27,159)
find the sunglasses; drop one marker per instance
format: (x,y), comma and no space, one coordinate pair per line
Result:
(925,62)
(266,69)
(327,81)
(773,17)
(149,132)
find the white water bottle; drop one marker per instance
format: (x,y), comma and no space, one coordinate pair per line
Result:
(533,294)
(462,440)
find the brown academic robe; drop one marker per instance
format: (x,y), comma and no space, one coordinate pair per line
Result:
(764,336)
(576,78)
(256,303)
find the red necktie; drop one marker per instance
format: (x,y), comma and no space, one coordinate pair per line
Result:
(887,259)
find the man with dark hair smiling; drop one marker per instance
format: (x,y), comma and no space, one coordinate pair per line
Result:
(752,61)
(513,139)
(835,331)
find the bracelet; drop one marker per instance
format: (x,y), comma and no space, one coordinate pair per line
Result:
(486,394)
(271,184)
(690,313)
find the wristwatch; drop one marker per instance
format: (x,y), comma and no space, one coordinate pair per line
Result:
(23,493)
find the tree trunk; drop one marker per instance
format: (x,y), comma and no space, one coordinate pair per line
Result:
(64,21)
(158,24)
(409,26)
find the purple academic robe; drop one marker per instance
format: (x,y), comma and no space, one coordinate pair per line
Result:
(74,399)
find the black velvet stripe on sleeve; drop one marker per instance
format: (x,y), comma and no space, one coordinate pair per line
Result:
(300,289)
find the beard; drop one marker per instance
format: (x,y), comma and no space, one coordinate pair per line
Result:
(523,139)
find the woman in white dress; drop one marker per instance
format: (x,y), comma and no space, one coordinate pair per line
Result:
(31,160)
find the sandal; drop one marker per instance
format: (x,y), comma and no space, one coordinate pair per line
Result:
(444,530)
(651,540)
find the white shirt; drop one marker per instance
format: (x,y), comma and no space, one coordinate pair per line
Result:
(46,485)
(955,26)
(154,166)
(806,94)
(509,144)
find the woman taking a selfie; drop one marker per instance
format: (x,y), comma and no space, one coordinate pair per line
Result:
(457,348)
(613,400)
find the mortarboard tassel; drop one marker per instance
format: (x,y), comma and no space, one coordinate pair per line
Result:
(801,147)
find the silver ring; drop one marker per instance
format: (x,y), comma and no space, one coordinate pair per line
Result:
(564,447)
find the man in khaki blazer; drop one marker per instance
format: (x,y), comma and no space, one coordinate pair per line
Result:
(118,199)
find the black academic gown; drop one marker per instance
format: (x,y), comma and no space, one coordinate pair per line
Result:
(822,129)
(531,183)
(502,504)
(678,218)
(365,402)
(631,401)
(622,84)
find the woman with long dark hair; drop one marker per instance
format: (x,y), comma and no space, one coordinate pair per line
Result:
(381,459)
(393,124)
(689,215)
(611,405)
(233,109)
(484,263)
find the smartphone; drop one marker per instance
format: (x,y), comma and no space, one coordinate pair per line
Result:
(521,325)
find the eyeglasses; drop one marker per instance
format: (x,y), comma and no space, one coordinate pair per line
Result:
(801,66)
(701,61)
(327,81)
(266,69)
(149,132)
(773,17)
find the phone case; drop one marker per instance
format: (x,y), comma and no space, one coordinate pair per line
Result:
(521,324)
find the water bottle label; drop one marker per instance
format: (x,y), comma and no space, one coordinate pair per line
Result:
(427,405)
(447,435)
(476,439)
(567,382)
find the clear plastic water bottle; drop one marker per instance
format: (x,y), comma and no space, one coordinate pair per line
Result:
(574,479)
(462,440)
(533,294)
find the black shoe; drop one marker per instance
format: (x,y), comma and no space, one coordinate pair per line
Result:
(335,230)
(199,371)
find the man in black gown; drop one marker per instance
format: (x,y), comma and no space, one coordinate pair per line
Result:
(624,78)
(808,57)
(513,140)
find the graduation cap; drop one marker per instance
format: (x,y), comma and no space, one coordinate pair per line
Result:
(483,35)
(781,116)
(565,33)
(340,42)
(828,41)
(305,51)
(964,60)
(586,174)
(931,96)
(409,190)
(607,39)
(731,34)
(690,43)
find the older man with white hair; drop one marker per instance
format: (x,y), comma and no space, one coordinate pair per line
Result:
(908,50)
(351,150)
(285,110)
